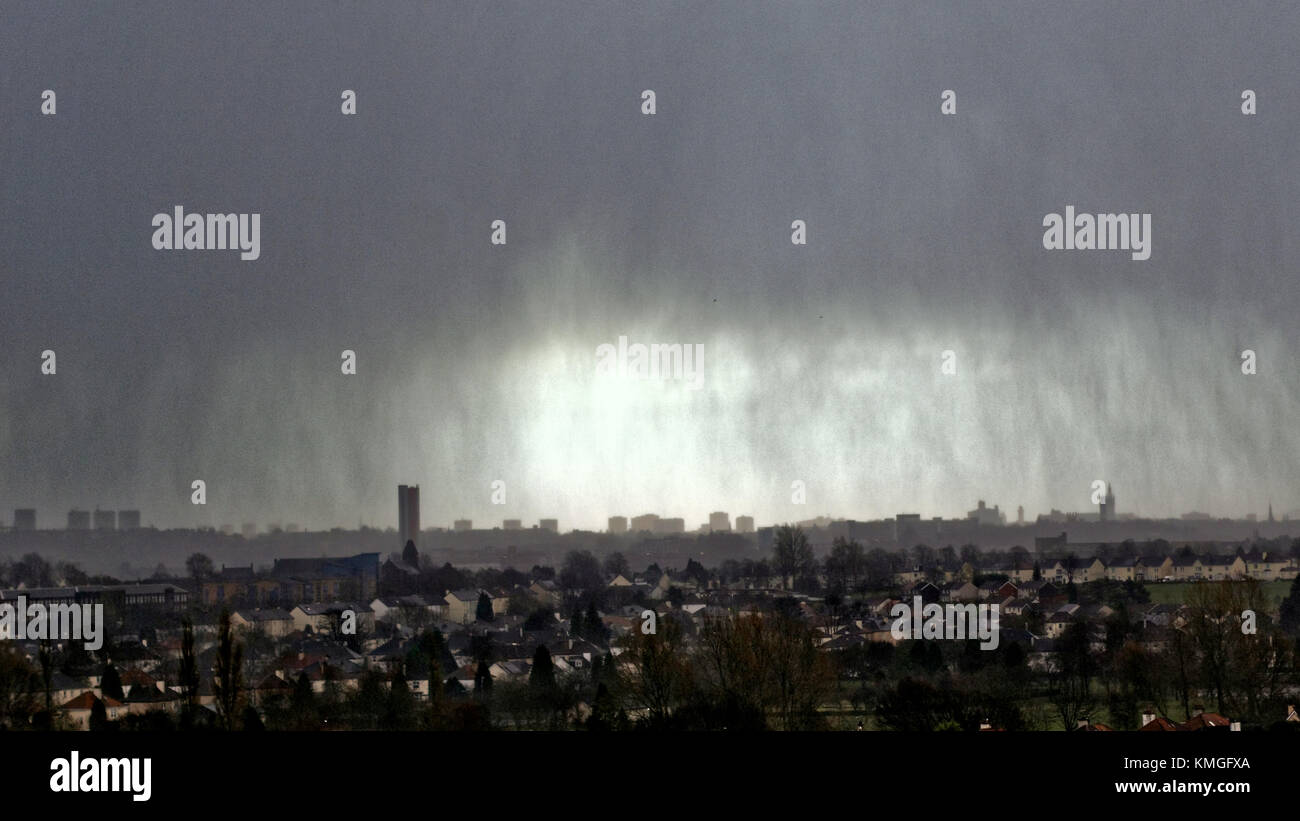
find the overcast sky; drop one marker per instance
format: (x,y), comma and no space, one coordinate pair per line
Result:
(477,362)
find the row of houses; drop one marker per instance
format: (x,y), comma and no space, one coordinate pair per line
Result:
(1254,564)
(291,581)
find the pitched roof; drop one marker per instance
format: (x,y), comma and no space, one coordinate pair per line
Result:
(1159,724)
(1205,721)
(87,700)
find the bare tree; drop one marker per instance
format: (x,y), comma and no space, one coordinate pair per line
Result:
(227,683)
(793,556)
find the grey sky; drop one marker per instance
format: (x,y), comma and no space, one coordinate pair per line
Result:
(476,362)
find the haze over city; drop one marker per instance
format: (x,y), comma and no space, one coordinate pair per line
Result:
(477,362)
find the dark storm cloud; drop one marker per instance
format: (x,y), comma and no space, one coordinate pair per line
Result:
(477,362)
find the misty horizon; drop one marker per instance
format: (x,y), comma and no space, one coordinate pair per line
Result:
(478,362)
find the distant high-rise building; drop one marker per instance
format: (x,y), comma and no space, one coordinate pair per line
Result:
(513,524)
(552,525)
(249,530)
(676,525)
(617,524)
(719,522)
(744,524)
(105,519)
(227,529)
(1020,515)
(1270,511)
(644,522)
(128,520)
(292,527)
(1107,511)
(462,525)
(25,518)
(78,519)
(408,514)
(986,515)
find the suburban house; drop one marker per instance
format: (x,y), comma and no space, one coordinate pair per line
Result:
(274,622)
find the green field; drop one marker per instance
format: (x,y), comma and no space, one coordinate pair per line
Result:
(1176,592)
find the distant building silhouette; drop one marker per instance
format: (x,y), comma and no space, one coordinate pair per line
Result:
(986,515)
(512,524)
(675,525)
(105,519)
(646,522)
(25,518)
(719,522)
(408,514)
(1107,512)
(744,524)
(552,525)
(462,525)
(78,519)
(128,520)
(617,524)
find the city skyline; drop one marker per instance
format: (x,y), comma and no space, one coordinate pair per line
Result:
(520,522)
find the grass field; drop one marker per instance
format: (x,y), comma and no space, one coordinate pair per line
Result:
(1176,592)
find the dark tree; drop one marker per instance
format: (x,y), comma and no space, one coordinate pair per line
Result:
(19,685)
(199,567)
(539,619)
(542,677)
(99,717)
(594,629)
(793,555)
(401,705)
(302,705)
(482,680)
(1289,617)
(616,565)
(228,681)
(189,672)
(110,684)
(484,610)
(252,721)
(33,570)
(581,571)
(695,570)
